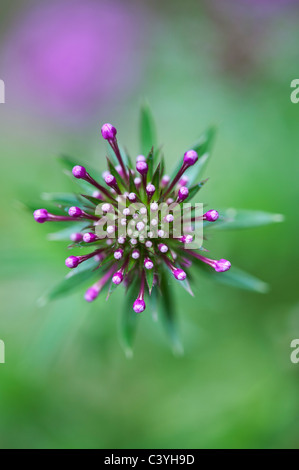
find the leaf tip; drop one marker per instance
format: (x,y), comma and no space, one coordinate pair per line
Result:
(278,218)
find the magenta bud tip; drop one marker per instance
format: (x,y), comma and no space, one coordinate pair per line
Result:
(222,265)
(142,167)
(165,180)
(117,278)
(190,157)
(72,262)
(211,216)
(183,181)
(91,294)
(139,306)
(163,248)
(110,180)
(108,131)
(97,194)
(118,253)
(132,197)
(150,189)
(183,193)
(89,237)
(79,171)
(186,239)
(135,254)
(148,264)
(40,215)
(76,237)
(75,211)
(179,274)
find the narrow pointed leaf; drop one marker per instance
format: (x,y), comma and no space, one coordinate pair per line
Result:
(235,277)
(129,321)
(71,282)
(203,148)
(194,189)
(169,314)
(149,274)
(65,234)
(150,162)
(148,137)
(239,219)
(119,180)
(61,198)
(153,303)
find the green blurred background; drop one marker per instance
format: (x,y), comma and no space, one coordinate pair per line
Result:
(66,382)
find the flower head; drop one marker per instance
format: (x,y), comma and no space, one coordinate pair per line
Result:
(135,242)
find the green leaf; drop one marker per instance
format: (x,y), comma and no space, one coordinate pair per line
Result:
(119,180)
(68,163)
(194,189)
(169,314)
(132,186)
(64,234)
(108,259)
(61,198)
(153,303)
(239,219)
(156,182)
(156,177)
(203,148)
(150,162)
(74,279)
(162,163)
(149,274)
(111,154)
(93,200)
(131,264)
(111,289)
(235,277)
(148,137)
(186,285)
(129,320)
(32,206)
(126,157)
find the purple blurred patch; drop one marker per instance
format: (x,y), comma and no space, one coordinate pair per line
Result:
(69,56)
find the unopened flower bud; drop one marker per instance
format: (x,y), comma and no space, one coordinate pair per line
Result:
(135,254)
(139,306)
(117,277)
(76,237)
(142,167)
(183,193)
(72,261)
(222,265)
(190,157)
(211,216)
(110,180)
(89,237)
(118,253)
(179,274)
(163,248)
(108,131)
(40,215)
(91,294)
(148,264)
(75,211)
(79,172)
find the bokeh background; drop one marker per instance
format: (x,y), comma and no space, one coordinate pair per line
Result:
(68,67)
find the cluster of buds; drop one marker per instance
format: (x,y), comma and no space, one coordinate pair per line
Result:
(126,202)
